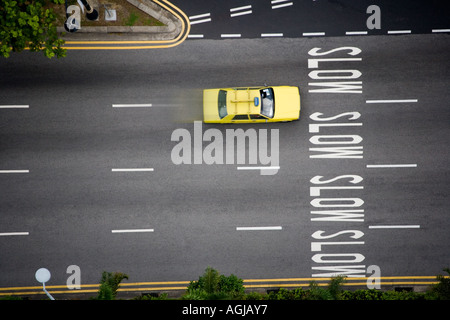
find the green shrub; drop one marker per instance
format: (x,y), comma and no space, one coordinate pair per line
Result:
(441,290)
(368,294)
(214,286)
(109,284)
(285,294)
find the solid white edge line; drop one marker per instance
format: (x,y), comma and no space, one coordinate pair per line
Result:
(131,169)
(396,227)
(131,230)
(391,165)
(14,234)
(258,228)
(258,168)
(204,15)
(14,171)
(142,105)
(241,8)
(313,34)
(271,34)
(12,106)
(240,13)
(398,31)
(393,101)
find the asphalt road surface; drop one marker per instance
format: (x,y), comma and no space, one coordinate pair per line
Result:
(70,127)
(293,18)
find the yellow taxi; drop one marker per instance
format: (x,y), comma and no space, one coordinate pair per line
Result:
(251,104)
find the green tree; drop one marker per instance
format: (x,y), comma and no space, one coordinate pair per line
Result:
(29,24)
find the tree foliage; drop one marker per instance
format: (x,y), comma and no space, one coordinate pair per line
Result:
(29,24)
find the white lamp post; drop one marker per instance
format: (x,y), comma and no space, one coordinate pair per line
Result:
(42,276)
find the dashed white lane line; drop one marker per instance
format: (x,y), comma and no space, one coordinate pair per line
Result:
(14,171)
(399,31)
(282,4)
(131,169)
(195,36)
(230,35)
(233,12)
(411,165)
(440,30)
(259,228)
(15,106)
(141,105)
(313,34)
(271,35)
(259,168)
(131,230)
(355,33)
(395,227)
(207,17)
(14,234)
(393,101)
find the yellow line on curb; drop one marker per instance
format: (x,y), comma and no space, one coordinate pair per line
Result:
(263,283)
(153,44)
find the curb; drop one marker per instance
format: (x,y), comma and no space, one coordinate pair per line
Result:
(172,28)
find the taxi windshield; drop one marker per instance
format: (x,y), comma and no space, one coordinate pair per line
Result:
(267,102)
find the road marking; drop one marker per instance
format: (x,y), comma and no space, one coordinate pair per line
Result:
(131,230)
(271,34)
(398,31)
(230,35)
(132,170)
(240,8)
(258,228)
(281,5)
(355,33)
(440,30)
(14,171)
(396,227)
(14,234)
(393,101)
(204,15)
(391,166)
(248,283)
(195,36)
(259,168)
(14,106)
(236,14)
(143,105)
(313,34)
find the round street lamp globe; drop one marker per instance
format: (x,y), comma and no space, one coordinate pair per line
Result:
(42,275)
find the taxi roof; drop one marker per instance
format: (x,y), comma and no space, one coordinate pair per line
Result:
(242,101)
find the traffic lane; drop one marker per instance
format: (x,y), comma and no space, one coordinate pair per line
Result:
(75,226)
(293,19)
(197,75)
